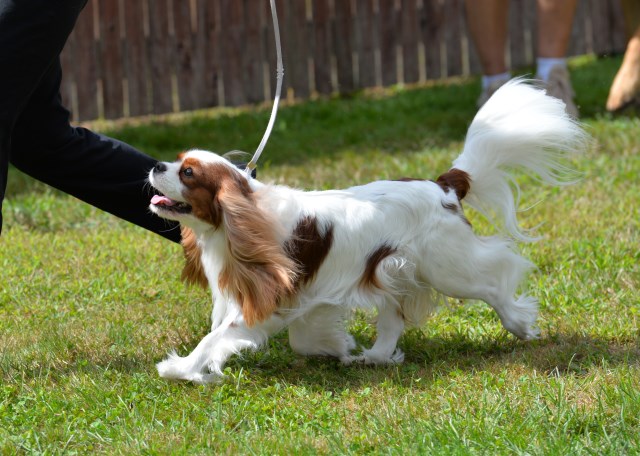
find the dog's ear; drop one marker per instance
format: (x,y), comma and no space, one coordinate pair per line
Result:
(193,272)
(257,271)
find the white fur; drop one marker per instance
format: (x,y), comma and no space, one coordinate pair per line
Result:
(518,128)
(436,253)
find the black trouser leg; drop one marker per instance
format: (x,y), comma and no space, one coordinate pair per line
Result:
(102,171)
(35,133)
(32,34)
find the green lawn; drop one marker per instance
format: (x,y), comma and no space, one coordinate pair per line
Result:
(89,303)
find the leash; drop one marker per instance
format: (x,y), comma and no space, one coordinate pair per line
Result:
(279,77)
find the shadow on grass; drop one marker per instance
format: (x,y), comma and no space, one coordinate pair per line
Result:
(427,359)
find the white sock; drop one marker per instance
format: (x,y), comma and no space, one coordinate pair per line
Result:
(488,80)
(545,64)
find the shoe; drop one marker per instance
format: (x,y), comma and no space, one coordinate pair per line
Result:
(625,90)
(490,90)
(559,85)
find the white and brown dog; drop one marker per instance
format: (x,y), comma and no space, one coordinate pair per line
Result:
(277,257)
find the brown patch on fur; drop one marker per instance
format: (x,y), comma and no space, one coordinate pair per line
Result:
(457,180)
(257,272)
(308,248)
(193,272)
(369,278)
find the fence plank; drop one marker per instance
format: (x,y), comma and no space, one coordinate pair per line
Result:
(343,41)
(111,58)
(253,53)
(135,53)
(519,34)
(322,46)
(159,57)
(472,59)
(452,18)
(432,36)
(85,64)
(408,20)
(366,43)
(578,41)
(601,26)
(618,37)
(187,62)
(297,45)
(232,28)
(388,42)
(207,44)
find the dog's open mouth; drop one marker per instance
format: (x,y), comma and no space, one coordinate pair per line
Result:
(167,204)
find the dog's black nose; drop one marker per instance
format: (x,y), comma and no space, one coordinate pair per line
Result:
(160,167)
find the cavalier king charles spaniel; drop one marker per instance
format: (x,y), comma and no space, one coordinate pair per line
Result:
(277,257)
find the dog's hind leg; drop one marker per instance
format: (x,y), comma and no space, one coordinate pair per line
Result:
(206,362)
(518,316)
(322,332)
(501,280)
(390,325)
(489,269)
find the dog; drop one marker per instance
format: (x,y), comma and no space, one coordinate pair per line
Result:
(277,257)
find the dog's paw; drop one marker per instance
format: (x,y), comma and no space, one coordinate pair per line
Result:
(348,360)
(531,332)
(520,319)
(172,367)
(178,368)
(350,342)
(370,357)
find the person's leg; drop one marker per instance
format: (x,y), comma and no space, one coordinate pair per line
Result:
(487,21)
(35,133)
(625,89)
(487,24)
(32,34)
(555,19)
(101,171)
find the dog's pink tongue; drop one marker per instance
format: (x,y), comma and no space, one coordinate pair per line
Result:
(160,200)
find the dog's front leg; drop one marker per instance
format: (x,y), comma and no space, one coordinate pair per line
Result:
(206,362)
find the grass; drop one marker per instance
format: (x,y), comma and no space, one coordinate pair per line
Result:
(89,303)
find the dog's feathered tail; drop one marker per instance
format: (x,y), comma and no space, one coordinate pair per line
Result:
(520,128)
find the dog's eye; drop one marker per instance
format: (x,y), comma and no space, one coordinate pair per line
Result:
(187,172)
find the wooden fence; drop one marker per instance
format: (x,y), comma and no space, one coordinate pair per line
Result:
(131,58)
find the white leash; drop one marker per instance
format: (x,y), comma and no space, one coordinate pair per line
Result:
(279,76)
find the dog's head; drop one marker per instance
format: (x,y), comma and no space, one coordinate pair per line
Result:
(194,188)
(207,193)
